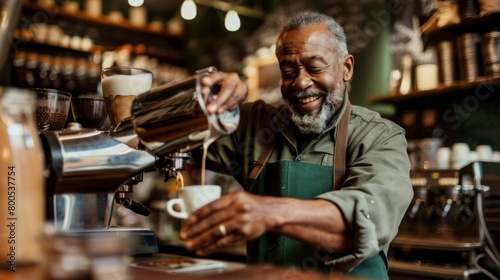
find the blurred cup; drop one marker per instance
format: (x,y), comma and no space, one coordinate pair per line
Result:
(460,155)
(443,157)
(120,86)
(427,151)
(484,152)
(473,156)
(190,198)
(39,32)
(89,112)
(426,76)
(495,156)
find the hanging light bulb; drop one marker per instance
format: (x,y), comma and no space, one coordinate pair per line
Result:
(135,3)
(188,10)
(232,21)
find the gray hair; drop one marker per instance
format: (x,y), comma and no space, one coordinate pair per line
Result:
(307,18)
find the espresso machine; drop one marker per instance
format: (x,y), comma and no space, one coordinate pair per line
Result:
(89,171)
(452,228)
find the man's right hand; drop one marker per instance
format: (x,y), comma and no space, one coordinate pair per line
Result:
(233,91)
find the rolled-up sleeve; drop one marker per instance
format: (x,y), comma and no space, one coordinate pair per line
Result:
(376,192)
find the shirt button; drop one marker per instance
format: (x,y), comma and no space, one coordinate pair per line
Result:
(298,158)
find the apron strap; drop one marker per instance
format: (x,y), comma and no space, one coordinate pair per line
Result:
(340,149)
(263,158)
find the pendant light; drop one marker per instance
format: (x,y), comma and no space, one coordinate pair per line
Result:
(135,3)
(232,21)
(188,10)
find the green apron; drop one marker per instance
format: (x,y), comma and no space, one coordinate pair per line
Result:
(303,181)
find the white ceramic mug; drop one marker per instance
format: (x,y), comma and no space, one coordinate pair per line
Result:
(191,198)
(426,76)
(484,152)
(460,155)
(443,157)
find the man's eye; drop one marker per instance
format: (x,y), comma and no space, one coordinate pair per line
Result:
(314,70)
(287,74)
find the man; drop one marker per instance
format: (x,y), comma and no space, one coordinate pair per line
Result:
(292,214)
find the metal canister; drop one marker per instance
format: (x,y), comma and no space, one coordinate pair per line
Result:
(446,62)
(491,53)
(468,48)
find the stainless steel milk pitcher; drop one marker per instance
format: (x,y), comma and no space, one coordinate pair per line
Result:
(173,117)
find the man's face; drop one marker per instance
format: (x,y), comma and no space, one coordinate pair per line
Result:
(313,79)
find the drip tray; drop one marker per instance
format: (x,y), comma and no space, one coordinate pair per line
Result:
(158,266)
(178,265)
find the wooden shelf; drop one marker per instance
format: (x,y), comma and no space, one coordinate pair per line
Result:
(18,41)
(442,91)
(102,21)
(468,25)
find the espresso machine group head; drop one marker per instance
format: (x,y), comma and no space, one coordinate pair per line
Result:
(165,123)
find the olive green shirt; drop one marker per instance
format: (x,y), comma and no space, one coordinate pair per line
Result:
(377,189)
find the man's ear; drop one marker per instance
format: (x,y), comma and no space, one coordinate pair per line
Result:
(348,66)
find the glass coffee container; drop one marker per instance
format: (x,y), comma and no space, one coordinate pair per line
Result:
(22,195)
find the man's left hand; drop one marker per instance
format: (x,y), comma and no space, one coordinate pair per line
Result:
(237,216)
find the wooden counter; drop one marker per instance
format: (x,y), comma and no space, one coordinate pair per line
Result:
(231,272)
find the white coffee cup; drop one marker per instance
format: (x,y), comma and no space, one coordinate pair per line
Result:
(190,198)
(443,157)
(426,76)
(460,155)
(484,152)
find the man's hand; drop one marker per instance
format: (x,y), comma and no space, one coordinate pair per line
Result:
(232,91)
(242,216)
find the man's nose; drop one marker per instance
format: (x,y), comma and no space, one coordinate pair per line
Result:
(302,81)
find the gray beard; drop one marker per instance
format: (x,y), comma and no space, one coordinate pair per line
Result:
(315,122)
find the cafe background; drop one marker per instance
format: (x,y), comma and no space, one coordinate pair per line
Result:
(431,66)
(64,44)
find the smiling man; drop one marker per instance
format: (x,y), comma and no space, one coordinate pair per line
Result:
(327,183)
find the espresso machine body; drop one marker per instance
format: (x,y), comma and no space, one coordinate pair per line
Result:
(451,226)
(89,161)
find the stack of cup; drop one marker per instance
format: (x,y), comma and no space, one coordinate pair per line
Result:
(484,152)
(495,156)
(443,158)
(460,155)
(427,151)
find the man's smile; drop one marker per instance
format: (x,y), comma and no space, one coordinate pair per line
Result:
(309,103)
(308,99)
